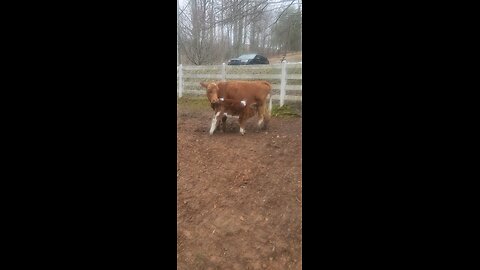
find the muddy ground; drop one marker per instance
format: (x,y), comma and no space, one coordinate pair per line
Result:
(239,198)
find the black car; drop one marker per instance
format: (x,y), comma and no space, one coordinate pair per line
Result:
(249,59)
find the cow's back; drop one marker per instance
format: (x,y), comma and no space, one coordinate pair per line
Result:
(253,91)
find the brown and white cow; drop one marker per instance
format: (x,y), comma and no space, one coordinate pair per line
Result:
(230,107)
(250,92)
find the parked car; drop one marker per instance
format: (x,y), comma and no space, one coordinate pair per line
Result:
(249,59)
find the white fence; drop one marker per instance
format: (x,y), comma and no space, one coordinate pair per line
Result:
(286,78)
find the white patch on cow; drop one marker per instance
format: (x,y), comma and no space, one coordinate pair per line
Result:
(214,125)
(244,103)
(242,131)
(222,99)
(225,114)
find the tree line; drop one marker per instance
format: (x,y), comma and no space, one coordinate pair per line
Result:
(212,31)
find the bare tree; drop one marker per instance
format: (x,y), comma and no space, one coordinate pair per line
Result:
(211,31)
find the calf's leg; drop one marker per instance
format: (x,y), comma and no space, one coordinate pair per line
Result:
(241,121)
(224,123)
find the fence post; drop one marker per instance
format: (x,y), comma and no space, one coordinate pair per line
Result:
(283,83)
(180,81)
(223,72)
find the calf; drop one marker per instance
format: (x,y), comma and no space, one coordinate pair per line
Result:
(230,107)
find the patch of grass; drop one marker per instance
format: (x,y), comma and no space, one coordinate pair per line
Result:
(284,111)
(202,103)
(193,102)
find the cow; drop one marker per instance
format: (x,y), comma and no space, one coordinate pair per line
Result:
(251,92)
(230,107)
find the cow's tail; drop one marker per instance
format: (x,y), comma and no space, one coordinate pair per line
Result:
(268,110)
(269,96)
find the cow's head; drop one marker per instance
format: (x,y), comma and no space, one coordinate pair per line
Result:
(212,91)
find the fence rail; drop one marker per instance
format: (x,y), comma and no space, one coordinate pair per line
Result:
(283,77)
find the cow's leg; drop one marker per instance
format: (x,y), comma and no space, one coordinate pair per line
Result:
(224,123)
(214,123)
(263,116)
(266,117)
(241,121)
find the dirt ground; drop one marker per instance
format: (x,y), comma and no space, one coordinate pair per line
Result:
(239,198)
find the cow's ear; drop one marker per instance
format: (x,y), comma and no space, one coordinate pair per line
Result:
(204,84)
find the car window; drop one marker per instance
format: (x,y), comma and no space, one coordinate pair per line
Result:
(246,56)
